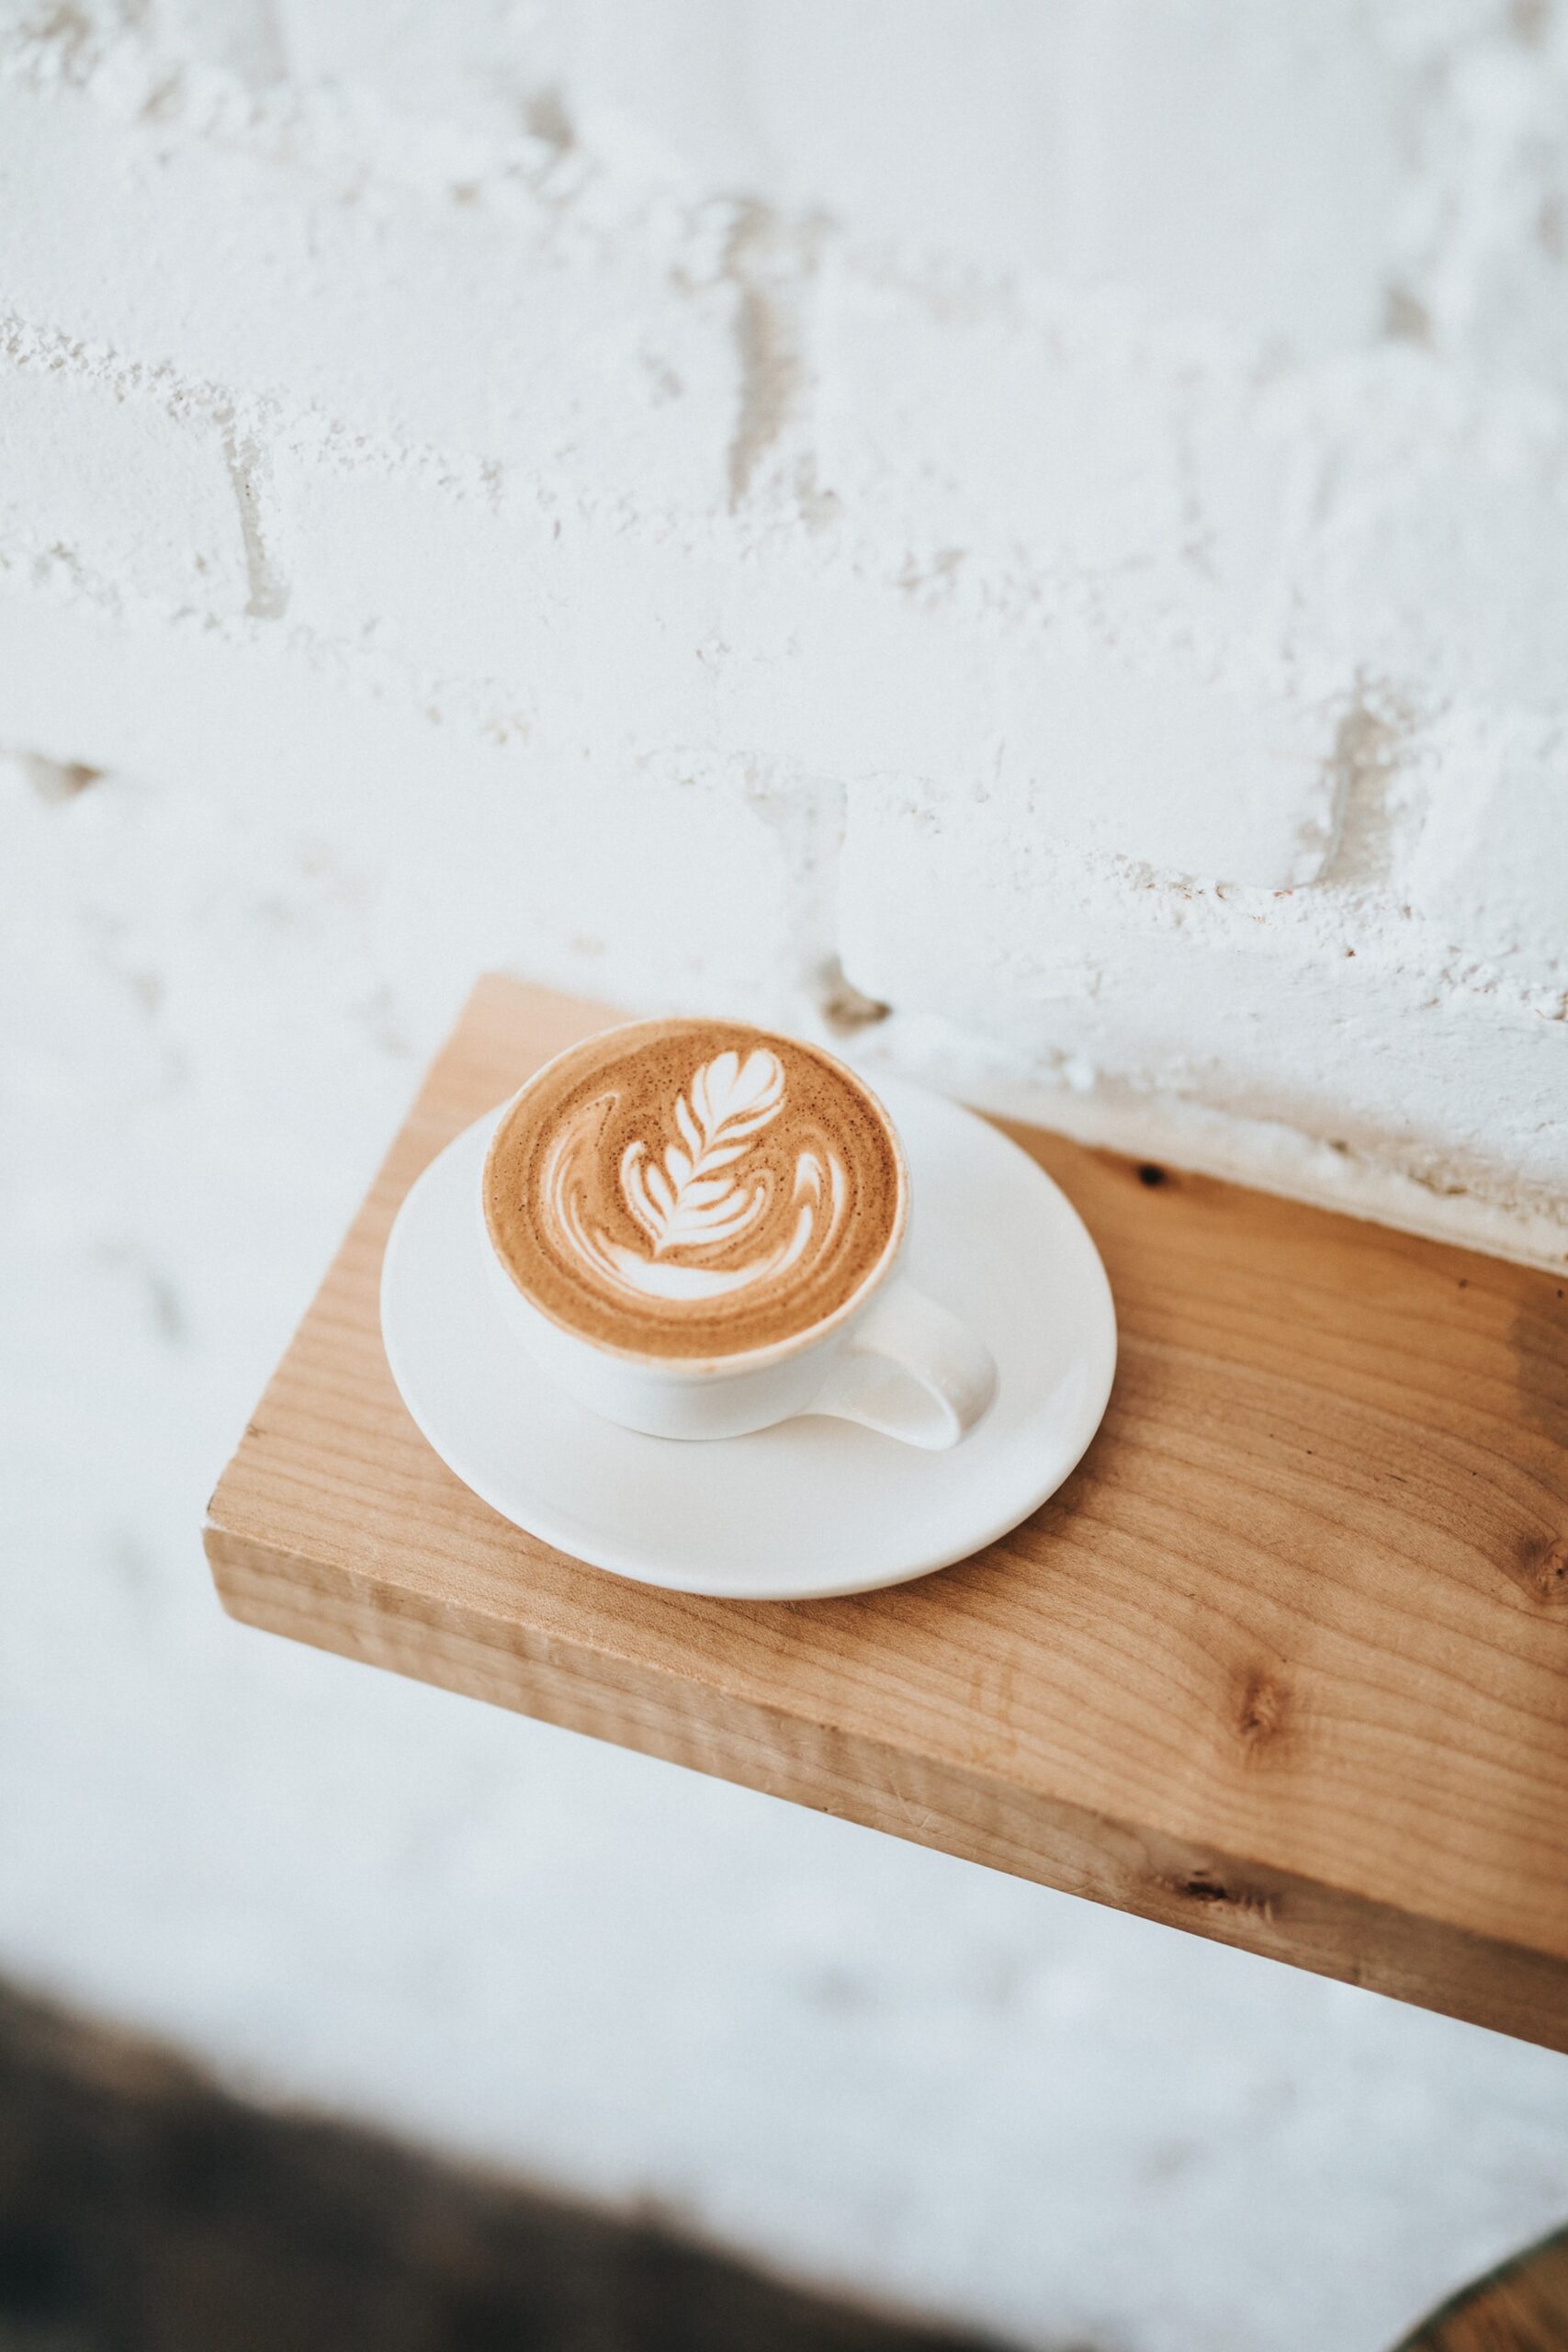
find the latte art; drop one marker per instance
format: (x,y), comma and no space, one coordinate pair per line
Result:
(705,1217)
(693,1189)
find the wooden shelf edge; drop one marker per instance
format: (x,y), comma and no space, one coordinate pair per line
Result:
(1226,1898)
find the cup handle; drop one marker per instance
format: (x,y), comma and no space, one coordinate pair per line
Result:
(912,1371)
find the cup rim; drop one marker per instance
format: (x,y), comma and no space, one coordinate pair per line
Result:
(739,1360)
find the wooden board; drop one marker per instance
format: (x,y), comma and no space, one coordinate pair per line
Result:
(1520,2307)
(1285,1662)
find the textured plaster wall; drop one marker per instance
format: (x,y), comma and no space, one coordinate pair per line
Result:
(1057,510)
(1046,517)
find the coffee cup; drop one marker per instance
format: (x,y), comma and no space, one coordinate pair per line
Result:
(697,1229)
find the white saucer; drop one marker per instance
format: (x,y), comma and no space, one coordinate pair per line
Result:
(813,1506)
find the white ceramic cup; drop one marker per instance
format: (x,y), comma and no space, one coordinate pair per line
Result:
(890,1358)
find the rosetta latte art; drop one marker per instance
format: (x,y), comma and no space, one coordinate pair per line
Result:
(702,1202)
(691,1189)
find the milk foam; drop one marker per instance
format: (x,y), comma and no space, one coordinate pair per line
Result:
(694,1187)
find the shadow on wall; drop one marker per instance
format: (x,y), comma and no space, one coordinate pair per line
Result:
(142,2210)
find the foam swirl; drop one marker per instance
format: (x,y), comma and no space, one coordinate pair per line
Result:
(701,1190)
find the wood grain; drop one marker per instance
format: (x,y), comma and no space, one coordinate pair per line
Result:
(1285,1662)
(1521,2307)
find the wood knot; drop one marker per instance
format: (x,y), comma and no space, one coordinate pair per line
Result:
(1261,1714)
(1216,1893)
(1205,1886)
(1541,1569)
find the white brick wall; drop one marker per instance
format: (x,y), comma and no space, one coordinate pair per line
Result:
(1492,862)
(120,484)
(1052,509)
(1085,425)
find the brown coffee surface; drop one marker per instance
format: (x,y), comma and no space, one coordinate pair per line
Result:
(693,1189)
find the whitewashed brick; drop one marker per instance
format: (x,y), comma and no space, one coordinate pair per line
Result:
(1456,581)
(1073,460)
(1079,745)
(241,37)
(402,312)
(1237,161)
(1092,980)
(1161,769)
(672,877)
(434,570)
(121,482)
(1492,867)
(1483,267)
(835,674)
(956,433)
(487,63)
(1095,504)
(1178,153)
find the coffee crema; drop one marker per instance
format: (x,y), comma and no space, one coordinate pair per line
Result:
(693,1189)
